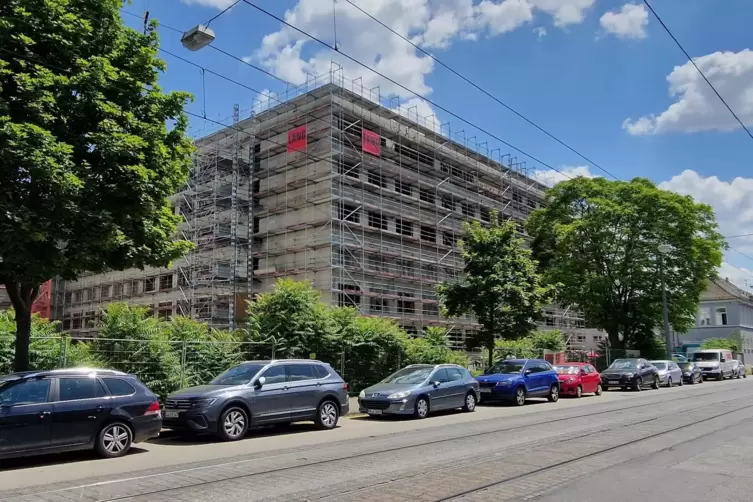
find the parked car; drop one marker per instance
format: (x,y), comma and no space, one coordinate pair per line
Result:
(578,378)
(75,409)
(669,372)
(739,369)
(630,374)
(257,393)
(679,358)
(691,373)
(419,389)
(715,363)
(515,380)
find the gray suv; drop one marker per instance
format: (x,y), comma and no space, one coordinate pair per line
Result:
(420,388)
(260,393)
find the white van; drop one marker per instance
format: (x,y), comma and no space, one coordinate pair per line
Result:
(714,363)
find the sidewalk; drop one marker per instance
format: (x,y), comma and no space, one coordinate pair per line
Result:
(353,406)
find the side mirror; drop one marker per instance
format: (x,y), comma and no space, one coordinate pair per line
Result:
(258,384)
(436,383)
(528,371)
(724,360)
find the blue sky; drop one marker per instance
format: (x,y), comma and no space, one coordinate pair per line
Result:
(598,74)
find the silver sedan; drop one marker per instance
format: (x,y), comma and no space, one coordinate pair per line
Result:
(669,372)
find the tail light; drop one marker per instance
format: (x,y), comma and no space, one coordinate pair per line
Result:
(153,409)
(345,386)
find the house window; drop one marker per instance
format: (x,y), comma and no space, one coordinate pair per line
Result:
(403,227)
(403,188)
(405,306)
(431,309)
(377,179)
(721,316)
(449,239)
(428,234)
(376,220)
(704,316)
(350,296)
(348,213)
(486,215)
(426,195)
(448,203)
(377,305)
(467,209)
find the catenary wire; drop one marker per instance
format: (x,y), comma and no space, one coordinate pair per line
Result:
(407,89)
(223,11)
(661,22)
(481,89)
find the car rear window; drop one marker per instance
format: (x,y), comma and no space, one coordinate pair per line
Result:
(118,387)
(321,371)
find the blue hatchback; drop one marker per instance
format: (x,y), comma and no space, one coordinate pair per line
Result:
(514,380)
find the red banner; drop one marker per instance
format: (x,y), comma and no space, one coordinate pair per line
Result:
(371,142)
(43,304)
(297,139)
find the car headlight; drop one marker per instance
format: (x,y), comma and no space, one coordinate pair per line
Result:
(204,403)
(399,395)
(503,383)
(362,394)
(687,373)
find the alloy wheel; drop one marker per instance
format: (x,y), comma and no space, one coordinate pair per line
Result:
(328,415)
(520,397)
(235,424)
(470,402)
(116,439)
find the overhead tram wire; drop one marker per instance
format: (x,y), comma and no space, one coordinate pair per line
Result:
(241,60)
(669,32)
(407,89)
(479,88)
(223,11)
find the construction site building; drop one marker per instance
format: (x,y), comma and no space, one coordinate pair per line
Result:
(334,185)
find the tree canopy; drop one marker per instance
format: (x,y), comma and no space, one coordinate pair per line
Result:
(499,285)
(90,148)
(600,240)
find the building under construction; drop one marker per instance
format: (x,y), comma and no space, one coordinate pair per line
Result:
(333,185)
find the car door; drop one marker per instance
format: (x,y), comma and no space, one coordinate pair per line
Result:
(305,390)
(440,395)
(647,371)
(532,376)
(676,372)
(457,387)
(81,407)
(272,399)
(587,379)
(26,415)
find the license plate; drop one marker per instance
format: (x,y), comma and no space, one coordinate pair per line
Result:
(374,412)
(171,414)
(614,382)
(486,391)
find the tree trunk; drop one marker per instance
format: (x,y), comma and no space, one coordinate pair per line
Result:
(490,349)
(22,298)
(614,340)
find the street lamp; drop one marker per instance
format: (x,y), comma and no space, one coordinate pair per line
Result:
(197,37)
(663,250)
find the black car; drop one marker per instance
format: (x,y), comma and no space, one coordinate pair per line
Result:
(75,409)
(630,374)
(691,373)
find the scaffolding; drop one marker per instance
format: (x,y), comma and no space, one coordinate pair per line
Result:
(341,186)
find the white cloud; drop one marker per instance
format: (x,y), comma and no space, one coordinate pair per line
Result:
(697,107)
(432,24)
(218,4)
(629,22)
(551,177)
(539,31)
(733,204)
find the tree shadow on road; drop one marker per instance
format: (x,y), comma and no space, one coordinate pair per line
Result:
(178,438)
(57,459)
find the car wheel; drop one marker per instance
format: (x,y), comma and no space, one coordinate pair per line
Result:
(745,374)
(470,402)
(599,390)
(114,440)
(554,393)
(422,408)
(638,384)
(579,391)
(233,424)
(656,383)
(682,382)
(520,396)
(669,381)
(327,415)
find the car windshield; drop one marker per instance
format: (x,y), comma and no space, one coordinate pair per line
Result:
(409,376)
(567,370)
(706,356)
(685,366)
(660,366)
(238,375)
(506,367)
(624,364)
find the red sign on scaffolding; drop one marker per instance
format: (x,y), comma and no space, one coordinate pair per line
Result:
(43,304)
(297,139)
(371,142)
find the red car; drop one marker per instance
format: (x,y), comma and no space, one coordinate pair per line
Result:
(578,378)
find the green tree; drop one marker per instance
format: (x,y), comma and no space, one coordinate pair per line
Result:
(499,284)
(599,240)
(432,348)
(732,343)
(552,340)
(87,160)
(294,316)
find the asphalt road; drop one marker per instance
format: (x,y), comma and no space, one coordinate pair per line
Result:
(682,444)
